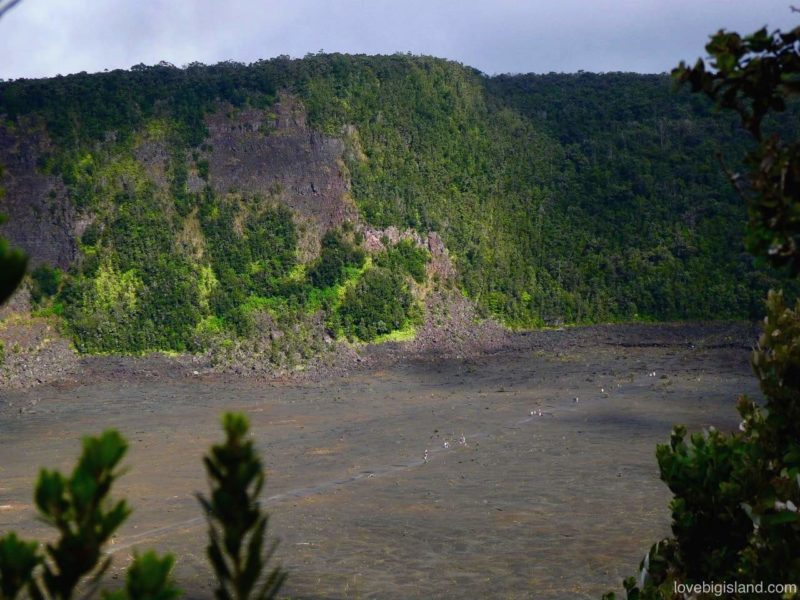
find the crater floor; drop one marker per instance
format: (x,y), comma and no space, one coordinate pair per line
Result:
(525,505)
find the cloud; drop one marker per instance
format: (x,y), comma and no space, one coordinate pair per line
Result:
(47,37)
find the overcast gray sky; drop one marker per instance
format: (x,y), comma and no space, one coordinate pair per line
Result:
(46,37)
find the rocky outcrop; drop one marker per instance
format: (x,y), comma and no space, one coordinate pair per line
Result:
(153,155)
(440,265)
(33,352)
(41,218)
(274,154)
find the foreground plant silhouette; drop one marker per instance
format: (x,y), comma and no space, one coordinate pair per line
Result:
(12,262)
(735,516)
(148,578)
(80,508)
(237,525)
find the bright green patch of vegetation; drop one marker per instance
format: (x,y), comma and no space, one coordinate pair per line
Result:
(379,303)
(406,334)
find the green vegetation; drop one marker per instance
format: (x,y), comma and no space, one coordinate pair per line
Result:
(336,255)
(405,257)
(379,303)
(431,153)
(250,251)
(649,227)
(45,283)
(132,291)
(148,578)
(86,107)
(561,198)
(18,559)
(735,507)
(80,509)
(237,525)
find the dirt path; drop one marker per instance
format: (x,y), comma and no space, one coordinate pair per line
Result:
(561,505)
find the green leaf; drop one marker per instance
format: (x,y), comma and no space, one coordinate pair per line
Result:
(18,559)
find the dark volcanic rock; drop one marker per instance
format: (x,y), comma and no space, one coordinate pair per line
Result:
(273,153)
(41,218)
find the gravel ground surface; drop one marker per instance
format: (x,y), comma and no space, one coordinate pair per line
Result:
(561,504)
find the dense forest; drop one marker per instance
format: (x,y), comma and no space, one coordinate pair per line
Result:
(561,198)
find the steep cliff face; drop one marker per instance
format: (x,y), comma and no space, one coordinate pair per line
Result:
(273,153)
(41,216)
